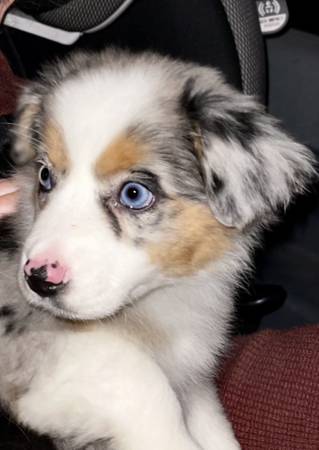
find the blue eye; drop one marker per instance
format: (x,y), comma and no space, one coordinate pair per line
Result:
(136,196)
(45,179)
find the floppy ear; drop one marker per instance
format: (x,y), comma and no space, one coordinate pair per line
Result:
(26,132)
(251,167)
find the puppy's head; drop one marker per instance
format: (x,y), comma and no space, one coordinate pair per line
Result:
(145,170)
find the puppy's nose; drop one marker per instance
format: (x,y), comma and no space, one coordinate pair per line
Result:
(45,278)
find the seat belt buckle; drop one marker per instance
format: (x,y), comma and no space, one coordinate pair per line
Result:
(273,15)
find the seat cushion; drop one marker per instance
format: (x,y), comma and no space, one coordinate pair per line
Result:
(269,387)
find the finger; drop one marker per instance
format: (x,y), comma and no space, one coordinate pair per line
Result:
(4,5)
(7,187)
(8,204)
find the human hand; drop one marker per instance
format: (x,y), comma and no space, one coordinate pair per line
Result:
(8,197)
(4,6)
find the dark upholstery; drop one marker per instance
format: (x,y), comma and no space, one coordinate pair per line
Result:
(270,390)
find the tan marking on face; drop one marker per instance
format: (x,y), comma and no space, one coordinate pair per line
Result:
(24,146)
(122,154)
(55,146)
(193,240)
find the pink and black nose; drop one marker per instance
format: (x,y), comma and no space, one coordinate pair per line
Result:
(45,278)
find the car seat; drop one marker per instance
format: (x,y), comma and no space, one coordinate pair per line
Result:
(221,33)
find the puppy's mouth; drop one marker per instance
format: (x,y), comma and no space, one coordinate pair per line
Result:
(50,303)
(55,302)
(55,306)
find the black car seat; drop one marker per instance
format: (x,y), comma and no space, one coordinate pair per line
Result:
(220,33)
(223,33)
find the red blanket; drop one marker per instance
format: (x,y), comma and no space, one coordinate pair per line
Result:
(270,388)
(9,87)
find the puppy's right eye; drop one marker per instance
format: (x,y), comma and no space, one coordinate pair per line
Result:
(45,179)
(136,196)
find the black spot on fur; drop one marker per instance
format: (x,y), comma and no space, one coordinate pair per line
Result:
(187,98)
(214,114)
(195,103)
(116,227)
(7,311)
(150,180)
(233,126)
(10,327)
(245,126)
(229,208)
(8,239)
(21,329)
(217,184)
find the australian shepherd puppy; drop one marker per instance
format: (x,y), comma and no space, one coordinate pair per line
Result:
(145,183)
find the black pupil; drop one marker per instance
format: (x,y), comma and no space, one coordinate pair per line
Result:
(133,193)
(45,174)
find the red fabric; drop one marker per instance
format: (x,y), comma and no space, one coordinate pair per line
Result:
(270,389)
(9,87)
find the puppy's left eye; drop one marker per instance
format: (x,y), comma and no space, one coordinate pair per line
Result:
(45,179)
(136,196)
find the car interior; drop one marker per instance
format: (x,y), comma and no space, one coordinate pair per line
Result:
(267,49)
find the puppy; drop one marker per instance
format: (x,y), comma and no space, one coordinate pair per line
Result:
(145,184)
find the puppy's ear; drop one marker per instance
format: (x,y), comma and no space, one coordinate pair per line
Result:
(250,166)
(26,132)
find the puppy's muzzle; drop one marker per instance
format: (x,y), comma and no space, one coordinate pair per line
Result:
(45,278)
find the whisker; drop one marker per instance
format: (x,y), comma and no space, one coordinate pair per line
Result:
(31,139)
(15,126)
(8,162)
(5,275)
